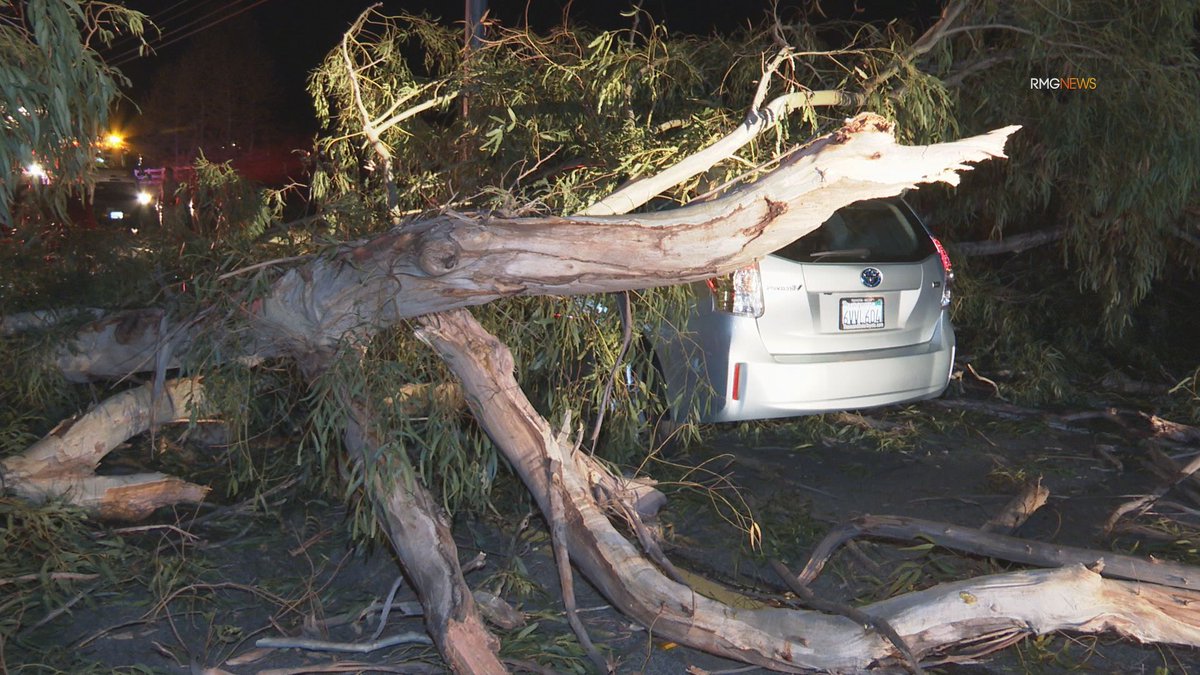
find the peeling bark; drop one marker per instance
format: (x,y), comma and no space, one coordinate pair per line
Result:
(63,464)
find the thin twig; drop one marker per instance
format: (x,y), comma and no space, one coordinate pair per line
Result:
(626,338)
(355,667)
(244,505)
(1142,504)
(52,576)
(926,42)
(265,263)
(137,529)
(764,83)
(59,611)
(410,638)
(387,607)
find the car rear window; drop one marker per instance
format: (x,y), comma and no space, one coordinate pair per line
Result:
(870,231)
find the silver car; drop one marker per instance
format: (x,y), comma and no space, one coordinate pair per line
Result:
(853,315)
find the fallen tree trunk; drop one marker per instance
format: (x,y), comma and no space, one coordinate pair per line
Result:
(421,537)
(992,611)
(454,260)
(458,260)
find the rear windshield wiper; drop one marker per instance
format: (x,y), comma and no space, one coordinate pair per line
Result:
(841,253)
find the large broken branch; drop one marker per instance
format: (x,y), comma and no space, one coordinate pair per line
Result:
(63,464)
(456,260)
(636,193)
(934,622)
(981,542)
(421,537)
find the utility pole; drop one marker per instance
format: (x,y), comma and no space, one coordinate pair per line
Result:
(473,29)
(472,38)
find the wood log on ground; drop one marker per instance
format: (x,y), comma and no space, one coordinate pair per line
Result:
(1014,514)
(63,464)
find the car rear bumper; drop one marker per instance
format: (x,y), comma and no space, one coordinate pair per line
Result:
(789,385)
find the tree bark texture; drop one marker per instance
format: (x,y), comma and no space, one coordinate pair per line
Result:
(420,535)
(63,464)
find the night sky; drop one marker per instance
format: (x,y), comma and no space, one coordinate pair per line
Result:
(299,32)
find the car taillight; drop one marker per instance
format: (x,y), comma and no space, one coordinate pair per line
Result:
(947,272)
(739,292)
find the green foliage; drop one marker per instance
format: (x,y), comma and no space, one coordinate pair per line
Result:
(552,646)
(420,432)
(551,123)
(1014,320)
(46,555)
(1117,166)
(1185,398)
(55,94)
(229,208)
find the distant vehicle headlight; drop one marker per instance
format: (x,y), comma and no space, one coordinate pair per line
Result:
(144,198)
(37,172)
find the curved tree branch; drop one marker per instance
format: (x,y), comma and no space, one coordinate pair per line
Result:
(1014,244)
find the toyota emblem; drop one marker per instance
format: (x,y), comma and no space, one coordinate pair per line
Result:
(871,277)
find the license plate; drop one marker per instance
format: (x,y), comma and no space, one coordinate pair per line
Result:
(861,313)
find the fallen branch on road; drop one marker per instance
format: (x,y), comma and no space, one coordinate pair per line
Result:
(1004,547)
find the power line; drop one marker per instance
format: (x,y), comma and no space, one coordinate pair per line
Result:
(169,37)
(134,54)
(162,21)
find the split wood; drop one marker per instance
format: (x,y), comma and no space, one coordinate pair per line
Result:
(1014,514)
